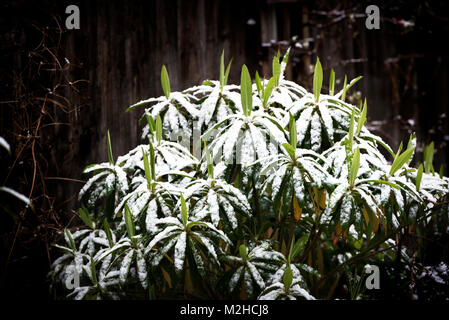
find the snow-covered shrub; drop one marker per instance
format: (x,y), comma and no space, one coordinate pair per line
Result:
(277,164)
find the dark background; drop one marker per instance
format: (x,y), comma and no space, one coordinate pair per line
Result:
(61,90)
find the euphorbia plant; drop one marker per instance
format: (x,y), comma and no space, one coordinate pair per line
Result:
(279,164)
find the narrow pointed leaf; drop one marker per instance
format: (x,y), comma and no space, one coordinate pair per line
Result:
(343,95)
(184,213)
(152,162)
(111,158)
(401,160)
(259,85)
(351,130)
(317,79)
(146,166)
(290,150)
(210,165)
(158,129)
(165,81)
(246,91)
(355,166)
(226,75)
(362,119)
(267,91)
(288,277)
(419,176)
(129,222)
(428,157)
(292,129)
(276,69)
(332,83)
(150,122)
(222,71)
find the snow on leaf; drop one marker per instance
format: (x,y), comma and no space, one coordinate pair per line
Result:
(315,132)
(256,275)
(180,252)
(303,124)
(213,207)
(142,269)
(327,120)
(167,232)
(125,266)
(236,278)
(231,138)
(162,251)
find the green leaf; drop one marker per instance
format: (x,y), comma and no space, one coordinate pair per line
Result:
(276,69)
(246,91)
(292,244)
(84,215)
(358,243)
(158,129)
(292,129)
(207,83)
(354,166)
(210,165)
(400,161)
(343,95)
(288,277)
(419,176)
(399,151)
(69,236)
(111,158)
(391,184)
(428,157)
(441,172)
(332,83)
(317,79)
(351,129)
(146,166)
(108,232)
(222,71)
(297,247)
(152,162)
(267,91)
(411,141)
(362,119)
(184,213)
(346,87)
(129,221)
(243,252)
(353,82)
(259,85)
(290,150)
(165,81)
(150,122)
(226,76)
(285,58)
